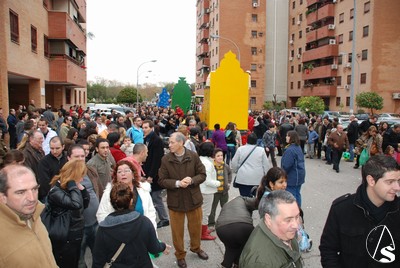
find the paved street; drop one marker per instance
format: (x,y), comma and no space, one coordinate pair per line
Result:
(322,186)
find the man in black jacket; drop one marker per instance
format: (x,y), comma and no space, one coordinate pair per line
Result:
(150,167)
(362,229)
(352,135)
(391,137)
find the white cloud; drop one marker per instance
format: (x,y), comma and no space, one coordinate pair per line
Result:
(130,32)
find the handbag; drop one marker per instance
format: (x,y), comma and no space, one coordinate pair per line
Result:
(109,264)
(57,223)
(364,157)
(234,180)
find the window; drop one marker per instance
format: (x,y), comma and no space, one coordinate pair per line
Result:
(363,78)
(340,39)
(298,84)
(293,21)
(349,79)
(300,34)
(253,100)
(291,85)
(253,51)
(339,81)
(253,34)
(254,17)
(33,38)
(340,59)
(347,101)
(14,27)
(367,6)
(337,101)
(253,67)
(300,50)
(291,69)
(46,46)
(301,17)
(292,53)
(68,95)
(294,5)
(341,17)
(365,31)
(293,36)
(299,68)
(253,83)
(352,13)
(364,54)
(301,2)
(350,58)
(351,36)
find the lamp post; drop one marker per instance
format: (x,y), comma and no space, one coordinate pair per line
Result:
(137,83)
(215,36)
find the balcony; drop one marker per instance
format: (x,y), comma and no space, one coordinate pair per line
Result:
(203,63)
(311,2)
(62,26)
(204,19)
(204,34)
(319,72)
(323,12)
(202,49)
(82,8)
(320,53)
(65,70)
(321,91)
(320,33)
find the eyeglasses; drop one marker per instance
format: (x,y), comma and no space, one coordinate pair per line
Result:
(124,171)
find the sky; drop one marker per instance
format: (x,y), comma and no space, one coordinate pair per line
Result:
(128,33)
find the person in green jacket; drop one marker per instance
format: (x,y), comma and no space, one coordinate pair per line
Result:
(273,242)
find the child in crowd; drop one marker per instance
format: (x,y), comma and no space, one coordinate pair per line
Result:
(327,149)
(127,146)
(224,175)
(312,137)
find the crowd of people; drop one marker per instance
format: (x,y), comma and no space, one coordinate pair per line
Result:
(100,180)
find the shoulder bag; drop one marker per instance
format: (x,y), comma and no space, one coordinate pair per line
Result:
(109,264)
(57,223)
(234,180)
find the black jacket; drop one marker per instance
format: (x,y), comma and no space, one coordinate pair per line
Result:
(153,162)
(350,226)
(72,199)
(352,132)
(390,138)
(131,228)
(48,167)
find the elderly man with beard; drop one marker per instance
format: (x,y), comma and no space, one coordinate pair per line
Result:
(25,241)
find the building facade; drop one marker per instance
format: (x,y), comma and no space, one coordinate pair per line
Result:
(43,53)
(338,50)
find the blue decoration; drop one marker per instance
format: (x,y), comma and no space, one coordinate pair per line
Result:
(163,99)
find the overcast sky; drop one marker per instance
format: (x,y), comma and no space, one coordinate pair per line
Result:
(130,32)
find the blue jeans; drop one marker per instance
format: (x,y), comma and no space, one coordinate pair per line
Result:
(260,142)
(230,154)
(351,151)
(328,154)
(89,235)
(295,191)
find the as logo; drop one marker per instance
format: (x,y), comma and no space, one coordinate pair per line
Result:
(380,244)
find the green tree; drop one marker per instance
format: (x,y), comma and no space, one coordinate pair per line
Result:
(369,100)
(311,104)
(127,95)
(97,91)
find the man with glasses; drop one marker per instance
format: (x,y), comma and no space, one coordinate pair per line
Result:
(65,127)
(24,239)
(362,229)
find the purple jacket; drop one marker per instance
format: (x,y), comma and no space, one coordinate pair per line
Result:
(218,138)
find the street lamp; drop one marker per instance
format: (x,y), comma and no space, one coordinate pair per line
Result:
(215,36)
(137,83)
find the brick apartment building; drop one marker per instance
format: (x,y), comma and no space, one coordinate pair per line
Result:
(305,48)
(43,52)
(324,36)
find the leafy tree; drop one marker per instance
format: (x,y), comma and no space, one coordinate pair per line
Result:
(311,104)
(127,95)
(97,91)
(369,100)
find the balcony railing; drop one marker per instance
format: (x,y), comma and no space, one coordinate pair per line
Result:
(203,63)
(320,53)
(323,12)
(320,33)
(311,2)
(66,70)
(320,90)
(319,72)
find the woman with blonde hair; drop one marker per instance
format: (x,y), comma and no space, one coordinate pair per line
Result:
(67,195)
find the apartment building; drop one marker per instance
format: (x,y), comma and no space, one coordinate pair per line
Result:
(338,49)
(43,52)
(241,27)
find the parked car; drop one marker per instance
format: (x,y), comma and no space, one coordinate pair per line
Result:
(388,116)
(335,114)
